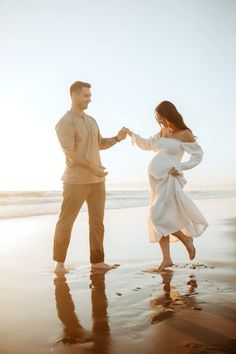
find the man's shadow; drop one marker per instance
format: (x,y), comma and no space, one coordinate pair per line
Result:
(73,331)
(171,300)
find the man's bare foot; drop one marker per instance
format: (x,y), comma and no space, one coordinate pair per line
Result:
(164,264)
(103,265)
(60,269)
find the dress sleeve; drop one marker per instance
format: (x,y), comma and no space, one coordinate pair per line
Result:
(195,152)
(146,144)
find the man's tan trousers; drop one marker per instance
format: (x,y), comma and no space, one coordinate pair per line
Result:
(74,195)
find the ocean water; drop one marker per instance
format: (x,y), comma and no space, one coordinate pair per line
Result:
(23,204)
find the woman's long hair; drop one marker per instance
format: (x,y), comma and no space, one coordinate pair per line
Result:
(168,111)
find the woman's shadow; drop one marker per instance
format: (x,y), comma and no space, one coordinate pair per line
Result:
(73,331)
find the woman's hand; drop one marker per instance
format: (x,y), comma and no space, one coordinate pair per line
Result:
(174,172)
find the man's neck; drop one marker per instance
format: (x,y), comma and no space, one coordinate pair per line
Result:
(77,111)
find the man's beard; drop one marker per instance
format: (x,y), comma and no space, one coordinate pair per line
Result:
(83,106)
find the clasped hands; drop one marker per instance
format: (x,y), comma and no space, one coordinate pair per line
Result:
(122,133)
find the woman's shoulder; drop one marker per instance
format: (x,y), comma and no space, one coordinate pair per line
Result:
(187,136)
(164,132)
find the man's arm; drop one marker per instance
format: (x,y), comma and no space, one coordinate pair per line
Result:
(66,136)
(106,143)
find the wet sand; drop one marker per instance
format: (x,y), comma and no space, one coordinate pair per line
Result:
(189,308)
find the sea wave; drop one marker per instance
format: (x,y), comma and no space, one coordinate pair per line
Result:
(22,204)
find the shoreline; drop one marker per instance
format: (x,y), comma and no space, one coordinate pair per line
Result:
(126,309)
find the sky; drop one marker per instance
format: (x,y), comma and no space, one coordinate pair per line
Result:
(135,54)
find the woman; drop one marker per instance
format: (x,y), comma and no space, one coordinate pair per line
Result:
(171,211)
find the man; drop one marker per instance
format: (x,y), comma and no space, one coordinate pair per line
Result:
(84,176)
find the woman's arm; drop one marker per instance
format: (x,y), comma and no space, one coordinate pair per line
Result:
(193,149)
(142,143)
(196,154)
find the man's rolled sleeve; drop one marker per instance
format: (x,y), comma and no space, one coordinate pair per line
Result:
(66,136)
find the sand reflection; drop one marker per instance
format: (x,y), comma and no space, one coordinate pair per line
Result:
(98,339)
(171,300)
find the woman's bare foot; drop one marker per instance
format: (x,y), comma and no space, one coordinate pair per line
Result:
(60,269)
(164,264)
(188,242)
(103,265)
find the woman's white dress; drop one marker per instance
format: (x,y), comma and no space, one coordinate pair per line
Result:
(171,209)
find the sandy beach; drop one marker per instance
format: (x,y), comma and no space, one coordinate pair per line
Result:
(189,308)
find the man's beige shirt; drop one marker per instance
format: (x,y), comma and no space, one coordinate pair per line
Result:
(81,135)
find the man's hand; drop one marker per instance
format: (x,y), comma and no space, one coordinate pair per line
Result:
(122,134)
(98,171)
(129,132)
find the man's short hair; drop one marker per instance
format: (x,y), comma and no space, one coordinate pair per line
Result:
(77,85)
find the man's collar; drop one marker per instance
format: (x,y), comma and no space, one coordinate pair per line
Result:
(76,115)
